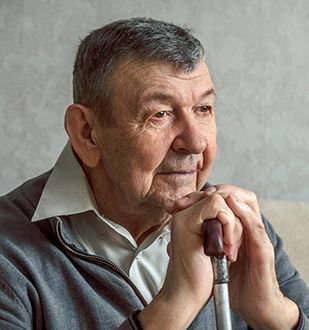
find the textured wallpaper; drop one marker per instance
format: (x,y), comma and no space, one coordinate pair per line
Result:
(258,53)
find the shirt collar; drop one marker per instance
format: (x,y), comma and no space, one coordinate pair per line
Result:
(67,190)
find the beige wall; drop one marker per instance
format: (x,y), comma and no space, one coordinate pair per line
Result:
(258,52)
(291,222)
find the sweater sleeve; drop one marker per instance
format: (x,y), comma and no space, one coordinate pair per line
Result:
(13,314)
(129,324)
(290,282)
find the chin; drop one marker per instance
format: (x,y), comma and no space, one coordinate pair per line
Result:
(169,198)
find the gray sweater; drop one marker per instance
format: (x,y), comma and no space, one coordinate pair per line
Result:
(47,280)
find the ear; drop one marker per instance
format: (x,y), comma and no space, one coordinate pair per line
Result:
(78,119)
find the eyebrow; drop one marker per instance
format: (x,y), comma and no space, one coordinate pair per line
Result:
(161,96)
(210,91)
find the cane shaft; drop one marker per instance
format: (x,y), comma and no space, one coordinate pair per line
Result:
(213,247)
(221,293)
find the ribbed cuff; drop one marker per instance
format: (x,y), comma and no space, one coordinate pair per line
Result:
(134,320)
(302,321)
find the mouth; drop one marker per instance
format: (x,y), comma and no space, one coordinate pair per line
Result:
(184,173)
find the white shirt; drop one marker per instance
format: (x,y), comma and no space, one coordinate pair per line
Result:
(68,193)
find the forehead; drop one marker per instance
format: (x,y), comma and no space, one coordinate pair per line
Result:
(142,82)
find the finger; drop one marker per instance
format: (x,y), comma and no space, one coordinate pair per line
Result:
(169,249)
(253,226)
(232,249)
(240,194)
(189,200)
(248,217)
(232,234)
(211,206)
(227,219)
(232,228)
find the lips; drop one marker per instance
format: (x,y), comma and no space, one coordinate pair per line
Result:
(187,165)
(179,172)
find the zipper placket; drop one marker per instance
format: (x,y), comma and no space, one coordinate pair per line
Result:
(99,259)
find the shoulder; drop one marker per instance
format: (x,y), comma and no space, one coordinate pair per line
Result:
(22,201)
(16,210)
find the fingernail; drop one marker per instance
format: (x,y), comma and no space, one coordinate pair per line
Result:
(235,255)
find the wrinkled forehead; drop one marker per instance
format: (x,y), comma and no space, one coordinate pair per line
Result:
(136,68)
(135,80)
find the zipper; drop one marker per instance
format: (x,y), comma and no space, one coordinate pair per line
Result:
(99,259)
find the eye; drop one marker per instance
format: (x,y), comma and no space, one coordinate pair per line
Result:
(160,114)
(204,108)
(161,118)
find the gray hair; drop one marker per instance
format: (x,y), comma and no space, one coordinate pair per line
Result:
(141,39)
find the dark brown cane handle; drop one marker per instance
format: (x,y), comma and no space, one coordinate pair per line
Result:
(212,238)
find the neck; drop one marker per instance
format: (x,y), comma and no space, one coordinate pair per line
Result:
(139,226)
(140,222)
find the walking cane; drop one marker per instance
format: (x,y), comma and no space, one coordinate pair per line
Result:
(213,247)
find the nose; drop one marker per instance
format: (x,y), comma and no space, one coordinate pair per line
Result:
(191,137)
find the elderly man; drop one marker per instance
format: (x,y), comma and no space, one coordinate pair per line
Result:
(111,237)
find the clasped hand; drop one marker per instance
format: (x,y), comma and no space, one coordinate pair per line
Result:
(254,291)
(255,295)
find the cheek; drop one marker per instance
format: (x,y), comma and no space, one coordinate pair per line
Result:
(211,150)
(149,153)
(209,156)
(212,143)
(137,156)
(141,163)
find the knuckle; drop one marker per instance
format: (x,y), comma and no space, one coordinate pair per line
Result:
(228,216)
(216,199)
(223,187)
(261,235)
(260,226)
(252,196)
(232,223)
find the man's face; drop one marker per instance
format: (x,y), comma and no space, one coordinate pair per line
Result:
(162,143)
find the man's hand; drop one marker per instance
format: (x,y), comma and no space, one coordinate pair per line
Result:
(189,279)
(254,291)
